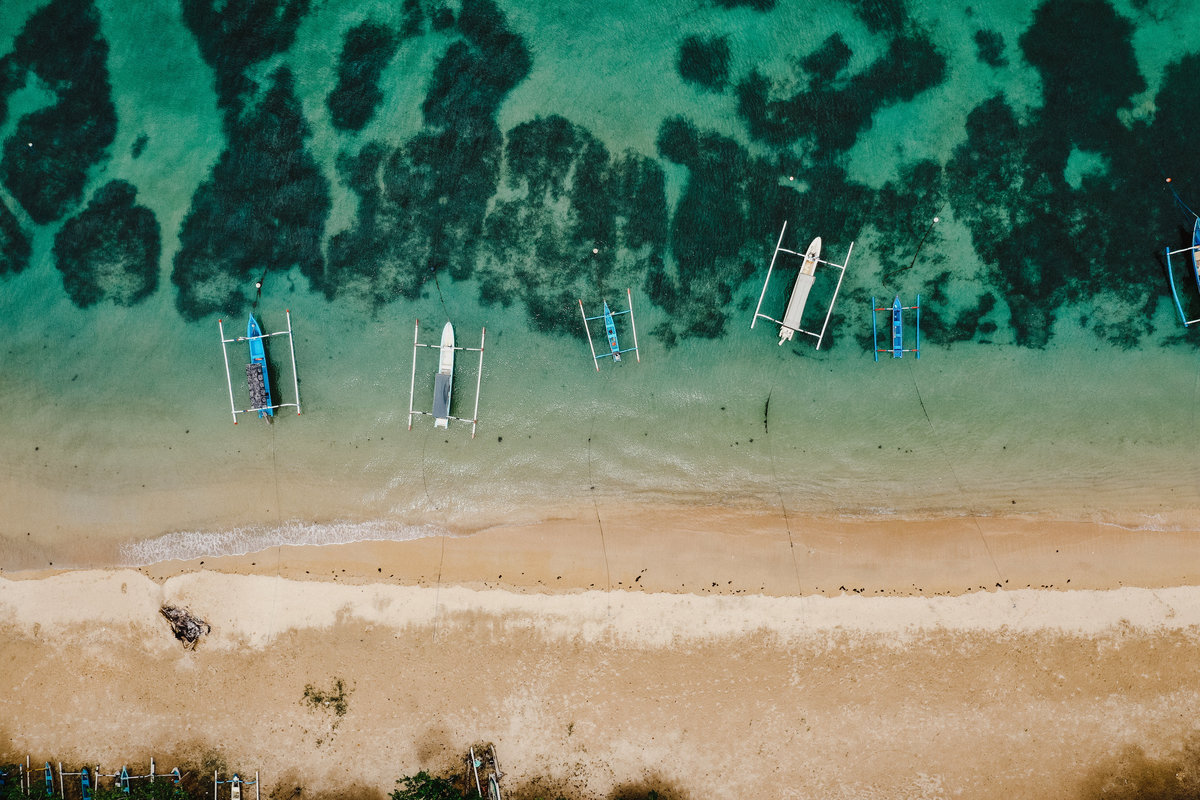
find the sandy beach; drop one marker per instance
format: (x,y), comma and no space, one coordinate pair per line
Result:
(860,659)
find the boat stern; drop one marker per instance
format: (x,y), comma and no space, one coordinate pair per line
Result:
(441,400)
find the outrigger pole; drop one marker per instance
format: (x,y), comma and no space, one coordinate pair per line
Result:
(234,410)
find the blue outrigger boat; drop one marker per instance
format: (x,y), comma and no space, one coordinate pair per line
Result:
(1194,250)
(610,330)
(256,372)
(897,349)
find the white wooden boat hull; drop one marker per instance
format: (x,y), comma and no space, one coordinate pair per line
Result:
(800,292)
(442,382)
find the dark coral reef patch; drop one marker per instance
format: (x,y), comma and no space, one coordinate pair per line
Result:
(46,160)
(705,61)
(1045,242)
(110,250)
(422,205)
(367,49)
(14,244)
(831,113)
(263,208)
(233,36)
(573,223)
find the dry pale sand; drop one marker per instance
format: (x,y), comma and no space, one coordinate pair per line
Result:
(702,655)
(991,694)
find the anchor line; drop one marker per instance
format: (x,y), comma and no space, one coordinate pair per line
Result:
(957,482)
(441,297)
(779,491)
(595,501)
(921,244)
(437,591)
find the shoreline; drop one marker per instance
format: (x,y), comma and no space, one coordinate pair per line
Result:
(724,551)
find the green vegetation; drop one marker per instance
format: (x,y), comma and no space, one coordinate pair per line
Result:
(424,786)
(335,700)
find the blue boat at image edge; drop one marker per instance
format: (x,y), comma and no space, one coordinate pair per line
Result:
(1194,257)
(256,371)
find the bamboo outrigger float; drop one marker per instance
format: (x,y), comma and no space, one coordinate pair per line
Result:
(610,330)
(443,380)
(257,381)
(798,300)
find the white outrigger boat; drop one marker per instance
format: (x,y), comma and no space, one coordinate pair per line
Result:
(793,315)
(443,380)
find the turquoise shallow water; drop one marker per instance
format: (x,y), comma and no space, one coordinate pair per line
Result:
(492,163)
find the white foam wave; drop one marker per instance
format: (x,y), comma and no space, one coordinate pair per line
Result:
(185,545)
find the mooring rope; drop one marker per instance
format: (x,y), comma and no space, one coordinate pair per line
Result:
(595,501)
(441,297)
(957,482)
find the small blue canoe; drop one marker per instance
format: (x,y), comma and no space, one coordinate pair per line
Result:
(256,372)
(611,329)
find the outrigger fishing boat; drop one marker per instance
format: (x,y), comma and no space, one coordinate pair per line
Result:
(256,371)
(610,330)
(1194,250)
(897,349)
(794,313)
(443,380)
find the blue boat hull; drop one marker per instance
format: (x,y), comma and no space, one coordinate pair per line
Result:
(256,370)
(610,328)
